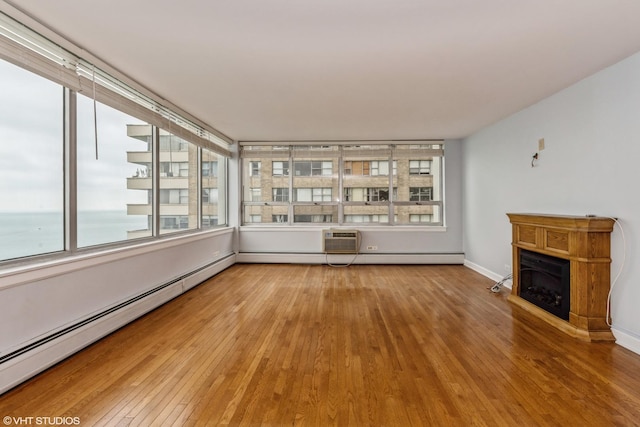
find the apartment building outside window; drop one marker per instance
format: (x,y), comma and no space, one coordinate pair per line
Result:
(313,218)
(210,169)
(422,218)
(255,194)
(280,168)
(280,194)
(209,196)
(343,184)
(174,196)
(419,167)
(354,194)
(312,168)
(312,194)
(281,219)
(367,218)
(254,168)
(421,194)
(368,167)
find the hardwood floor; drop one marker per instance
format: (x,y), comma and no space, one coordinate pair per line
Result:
(316,345)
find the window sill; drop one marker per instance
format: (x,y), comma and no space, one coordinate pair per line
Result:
(362,226)
(23,271)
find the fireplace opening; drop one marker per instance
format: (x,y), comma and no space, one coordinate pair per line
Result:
(544,281)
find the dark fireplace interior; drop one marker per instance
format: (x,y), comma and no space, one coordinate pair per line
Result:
(544,281)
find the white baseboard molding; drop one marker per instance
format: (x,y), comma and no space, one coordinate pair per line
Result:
(627,340)
(340,259)
(487,273)
(34,361)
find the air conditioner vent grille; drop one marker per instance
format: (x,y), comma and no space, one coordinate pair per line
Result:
(341,242)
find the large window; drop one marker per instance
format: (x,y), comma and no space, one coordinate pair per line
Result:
(31,159)
(77,173)
(419,201)
(214,189)
(367,185)
(179,179)
(395,184)
(110,185)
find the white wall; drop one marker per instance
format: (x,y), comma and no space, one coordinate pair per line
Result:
(589,166)
(389,240)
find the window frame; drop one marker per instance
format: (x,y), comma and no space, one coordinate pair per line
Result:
(70,164)
(345,155)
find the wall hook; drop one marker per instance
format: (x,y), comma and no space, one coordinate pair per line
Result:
(533,160)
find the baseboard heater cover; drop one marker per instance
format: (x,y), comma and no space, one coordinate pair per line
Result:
(163,291)
(362,258)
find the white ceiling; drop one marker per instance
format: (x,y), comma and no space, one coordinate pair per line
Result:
(349,69)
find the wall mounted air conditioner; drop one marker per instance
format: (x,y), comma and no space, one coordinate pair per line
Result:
(340,241)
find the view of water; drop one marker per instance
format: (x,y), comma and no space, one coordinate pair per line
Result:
(33,233)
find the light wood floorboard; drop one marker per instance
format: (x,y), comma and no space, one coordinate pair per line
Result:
(316,345)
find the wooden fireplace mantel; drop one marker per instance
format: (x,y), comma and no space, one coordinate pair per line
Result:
(586,242)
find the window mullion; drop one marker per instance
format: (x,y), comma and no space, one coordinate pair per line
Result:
(199,192)
(390,175)
(340,186)
(291,169)
(70,170)
(155,178)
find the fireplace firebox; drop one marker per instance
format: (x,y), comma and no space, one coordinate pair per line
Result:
(545,282)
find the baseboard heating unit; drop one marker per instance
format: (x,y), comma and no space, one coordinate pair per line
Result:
(23,363)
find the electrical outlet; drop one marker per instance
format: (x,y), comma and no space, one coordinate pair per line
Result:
(372,248)
(507,268)
(541,144)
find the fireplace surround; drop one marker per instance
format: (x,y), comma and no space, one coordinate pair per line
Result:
(577,247)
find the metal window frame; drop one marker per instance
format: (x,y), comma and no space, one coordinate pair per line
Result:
(356,150)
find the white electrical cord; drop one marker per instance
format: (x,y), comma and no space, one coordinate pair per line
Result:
(326,256)
(340,265)
(498,285)
(615,280)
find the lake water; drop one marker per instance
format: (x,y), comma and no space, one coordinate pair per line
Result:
(33,233)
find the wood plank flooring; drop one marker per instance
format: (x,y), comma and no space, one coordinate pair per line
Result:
(316,345)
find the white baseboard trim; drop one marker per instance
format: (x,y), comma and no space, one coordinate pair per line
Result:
(627,340)
(315,258)
(487,273)
(29,364)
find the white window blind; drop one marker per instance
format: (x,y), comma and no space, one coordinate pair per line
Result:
(26,48)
